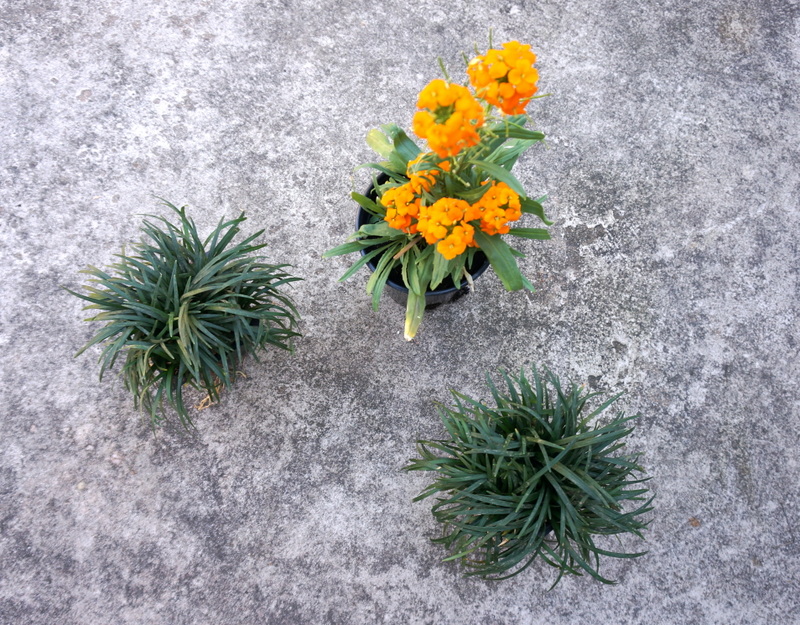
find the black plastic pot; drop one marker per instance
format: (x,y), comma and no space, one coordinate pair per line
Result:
(446,292)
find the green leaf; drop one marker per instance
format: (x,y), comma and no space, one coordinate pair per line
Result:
(415,309)
(380,276)
(507,154)
(377,286)
(379,143)
(381,229)
(411,273)
(367,204)
(441,268)
(404,147)
(535,208)
(363,261)
(345,248)
(500,174)
(384,167)
(473,195)
(397,162)
(501,259)
(516,132)
(540,234)
(527,285)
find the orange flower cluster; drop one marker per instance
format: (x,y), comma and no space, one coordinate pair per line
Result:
(422,172)
(449,118)
(450,223)
(444,223)
(403,203)
(506,77)
(499,205)
(402,207)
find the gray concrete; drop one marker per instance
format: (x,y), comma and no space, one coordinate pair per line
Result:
(673,274)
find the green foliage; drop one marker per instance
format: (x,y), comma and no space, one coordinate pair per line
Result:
(187,311)
(531,478)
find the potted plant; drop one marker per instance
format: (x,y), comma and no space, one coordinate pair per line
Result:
(184,310)
(535,476)
(439,214)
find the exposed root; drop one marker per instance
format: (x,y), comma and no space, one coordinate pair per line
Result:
(208,400)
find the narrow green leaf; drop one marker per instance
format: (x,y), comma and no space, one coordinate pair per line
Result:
(381,229)
(533,207)
(501,259)
(404,147)
(441,267)
(539,234)
(367,204)
(363,261)
(501,174)
(345,248)
(512,131)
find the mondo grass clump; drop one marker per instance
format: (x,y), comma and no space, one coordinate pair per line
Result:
(537,476)
(183,311)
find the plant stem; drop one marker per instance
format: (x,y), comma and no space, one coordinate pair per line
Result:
(410,244)
(443,68)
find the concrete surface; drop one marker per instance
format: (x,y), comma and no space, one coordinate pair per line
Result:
(672,169)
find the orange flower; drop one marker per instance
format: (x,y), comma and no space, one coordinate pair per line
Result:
(431,227)
(423,171)
(449,118)
(466,232)
(420,178)
(437,221)
(451,247)
(402,206)
(456,242)
(506,77)
(499,205)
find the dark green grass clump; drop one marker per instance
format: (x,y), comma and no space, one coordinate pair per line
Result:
(183,310)
(532,478)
